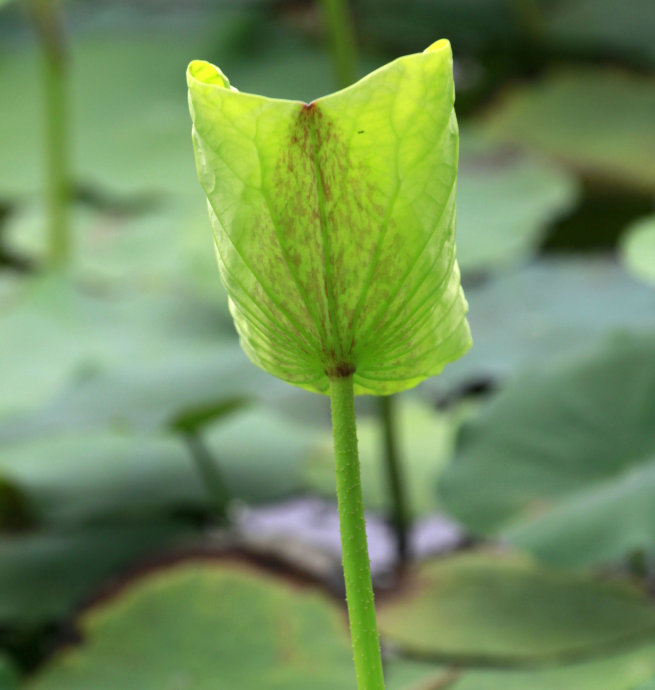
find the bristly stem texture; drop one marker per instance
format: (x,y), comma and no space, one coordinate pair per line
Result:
(356,564)
(47,21)
(399,516)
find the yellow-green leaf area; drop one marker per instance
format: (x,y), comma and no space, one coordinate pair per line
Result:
(334,223)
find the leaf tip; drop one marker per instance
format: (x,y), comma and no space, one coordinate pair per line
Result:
(441,44)
(206,73)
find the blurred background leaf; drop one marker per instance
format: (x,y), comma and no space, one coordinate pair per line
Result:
(122,381)
(617,143)
(638,249)
(563,462)
(503,609)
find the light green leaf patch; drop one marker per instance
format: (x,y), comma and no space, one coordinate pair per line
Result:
(567,458)
(648,685)
(187,389)
(334,223)
(598,121)
(505,202)
(504,609)
(638,249)
(161,248)
(53,331)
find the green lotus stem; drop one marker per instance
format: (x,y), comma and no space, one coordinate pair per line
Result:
(356,564)
(399,517)
(341,32)
(46,19)
(217,490)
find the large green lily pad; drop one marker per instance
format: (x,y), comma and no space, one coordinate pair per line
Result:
(426,440)
(208,625)
(505,609)
(55,331)
(544,310)
(505,203)
(563,462)
(638,249)
(597,121)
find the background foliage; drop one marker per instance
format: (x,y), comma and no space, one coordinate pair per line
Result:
(150,475)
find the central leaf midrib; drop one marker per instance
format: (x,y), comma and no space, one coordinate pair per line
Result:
(328,276)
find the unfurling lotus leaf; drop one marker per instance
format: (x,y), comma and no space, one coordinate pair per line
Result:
(334,223)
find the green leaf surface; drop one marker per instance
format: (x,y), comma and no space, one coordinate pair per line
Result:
(54,331)
(612,671)
(215,624)
(597,121)
(208,625)
(10,288)
(334,222)
(128,133)
(567,457)
(90,478)
(98,477)
(426,442)
(162,248)
(504,609)
(193,385)
(531,317)
(638,249)
(409,674)
(46,574)
(261,454)
(648,685)
(505,203)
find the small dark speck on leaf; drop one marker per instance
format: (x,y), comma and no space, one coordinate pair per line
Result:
(361,131)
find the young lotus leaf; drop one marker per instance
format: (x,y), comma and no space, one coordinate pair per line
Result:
(334,223)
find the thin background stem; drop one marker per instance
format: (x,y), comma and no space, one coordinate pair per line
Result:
(354,548)
(399,518)
(343,44)
(47,20)
(217,490)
